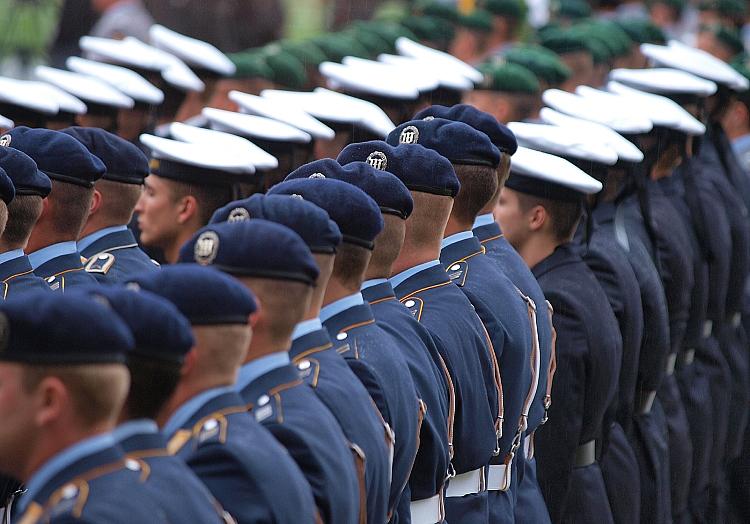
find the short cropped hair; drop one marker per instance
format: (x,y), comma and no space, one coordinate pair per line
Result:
(283,303)
(350,264)
(478,186)
(221,350)
(71,206)
(564,216)
(210,198)
(23,212)
(119,200)
(152,382)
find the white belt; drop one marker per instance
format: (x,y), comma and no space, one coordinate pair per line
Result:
(671,362)
(527,449)
(647,402)
(466,484)
(427,511)
(499,477)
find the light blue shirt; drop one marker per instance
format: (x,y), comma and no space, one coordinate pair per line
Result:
(86,241)
(41,256)
(305,327)
(342,304)
(11,255)
(373,282)
(400,277)
(483,220)
(189,408)
(134,427)
(259,367)
(456,237)
(60,462)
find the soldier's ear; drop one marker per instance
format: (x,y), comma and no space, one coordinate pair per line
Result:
(96,202)
(536,218)
(188,209)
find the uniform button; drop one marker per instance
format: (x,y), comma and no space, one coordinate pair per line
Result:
(409,303)
(102,257)
(50,279)
(341,336)
(303,365)
(69,491)
(263,400)
(132,465)
(455,267)
(211,424)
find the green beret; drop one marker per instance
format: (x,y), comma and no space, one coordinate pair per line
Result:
(611,35)
(384,40)
(510,8)
(430,28)
(508,78)
(389,31)
(642,30)
(288,70)
(372,42)
(562,41)
(730,37)
(250,64)
(305,52)
(545,64)
(679,5)
(478,20)
(336,46)
(571,9)
(443,10)
(728,8)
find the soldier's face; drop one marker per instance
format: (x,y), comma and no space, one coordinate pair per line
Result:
(17,411)
(158,212)
(511,217)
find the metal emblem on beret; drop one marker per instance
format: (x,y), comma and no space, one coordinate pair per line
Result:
(409,135)
(238,214)
(5,140)
(4,332)
(298,197)
(428,118)
(206,248)
(378,160)
(317,175)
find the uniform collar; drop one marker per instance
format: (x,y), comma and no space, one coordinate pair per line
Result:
(483,220)
(11,255)
(373,282)
(186,411)
(456,237)
(460,248)
(60,462)
(379,291)
(340,305)
(44,255)
(305,327)
(397,279)
(86,241)
(134,427)
(259,367)
(741,143)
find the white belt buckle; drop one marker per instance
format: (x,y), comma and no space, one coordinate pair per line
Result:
(466,483)
(427,511)
(499,477)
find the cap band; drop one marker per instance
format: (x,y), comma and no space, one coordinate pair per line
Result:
(543,189)
(265,273)
(192,174)
(124,179)
(69,179)
(349,239)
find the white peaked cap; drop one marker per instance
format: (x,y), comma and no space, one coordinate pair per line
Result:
(410,48)
(663,80)
(191,50)
(560,141)
(618,118)
(547,168)
(122,78)
(87,88)
(254,126)
(218,158)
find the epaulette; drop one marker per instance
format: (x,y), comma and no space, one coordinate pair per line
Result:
(212,429)
(100,263)
(266,408)
(309,370)
(55,283)
(415,305)
(457,272)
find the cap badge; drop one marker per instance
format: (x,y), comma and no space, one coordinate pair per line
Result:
(317,175)
(206,248)
(5,140)
(238,214)
(154,164)
(428,118)
(298,197)
(378,160)
(409,135)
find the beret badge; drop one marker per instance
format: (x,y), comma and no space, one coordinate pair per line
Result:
(409,135)
(5,140)
(378,160)
(206,248)
(238,214)
(317,176)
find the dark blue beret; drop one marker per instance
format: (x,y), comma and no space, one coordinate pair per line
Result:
(160,331)
(252,248)
(60,156)
(7,191)
(458,142)
(420,169)
(23,172)
(205,296)
(124,161)
(321,234)
(49,329)
(385,189)
(357,215)
(502,137)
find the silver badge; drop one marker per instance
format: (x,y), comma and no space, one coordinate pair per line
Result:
(409,135)
(378,160)
(317,175)
(428,118)
(238,214)
(5,140)
(298,197)
(206,248)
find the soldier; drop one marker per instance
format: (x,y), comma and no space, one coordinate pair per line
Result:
(371,353)
(162,340)
(502,309)
(106,242)
(52,250)
(314,355)
(276,264)
(530,505)
(540,208)
(204,420)
(63,367)
(184,189)
(31,186)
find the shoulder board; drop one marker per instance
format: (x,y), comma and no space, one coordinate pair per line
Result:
(68,500)
(100,263)
(308,370)
(415,305)
(212,429)
(457,272)
(178,441)
(266,409)
(55,282)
